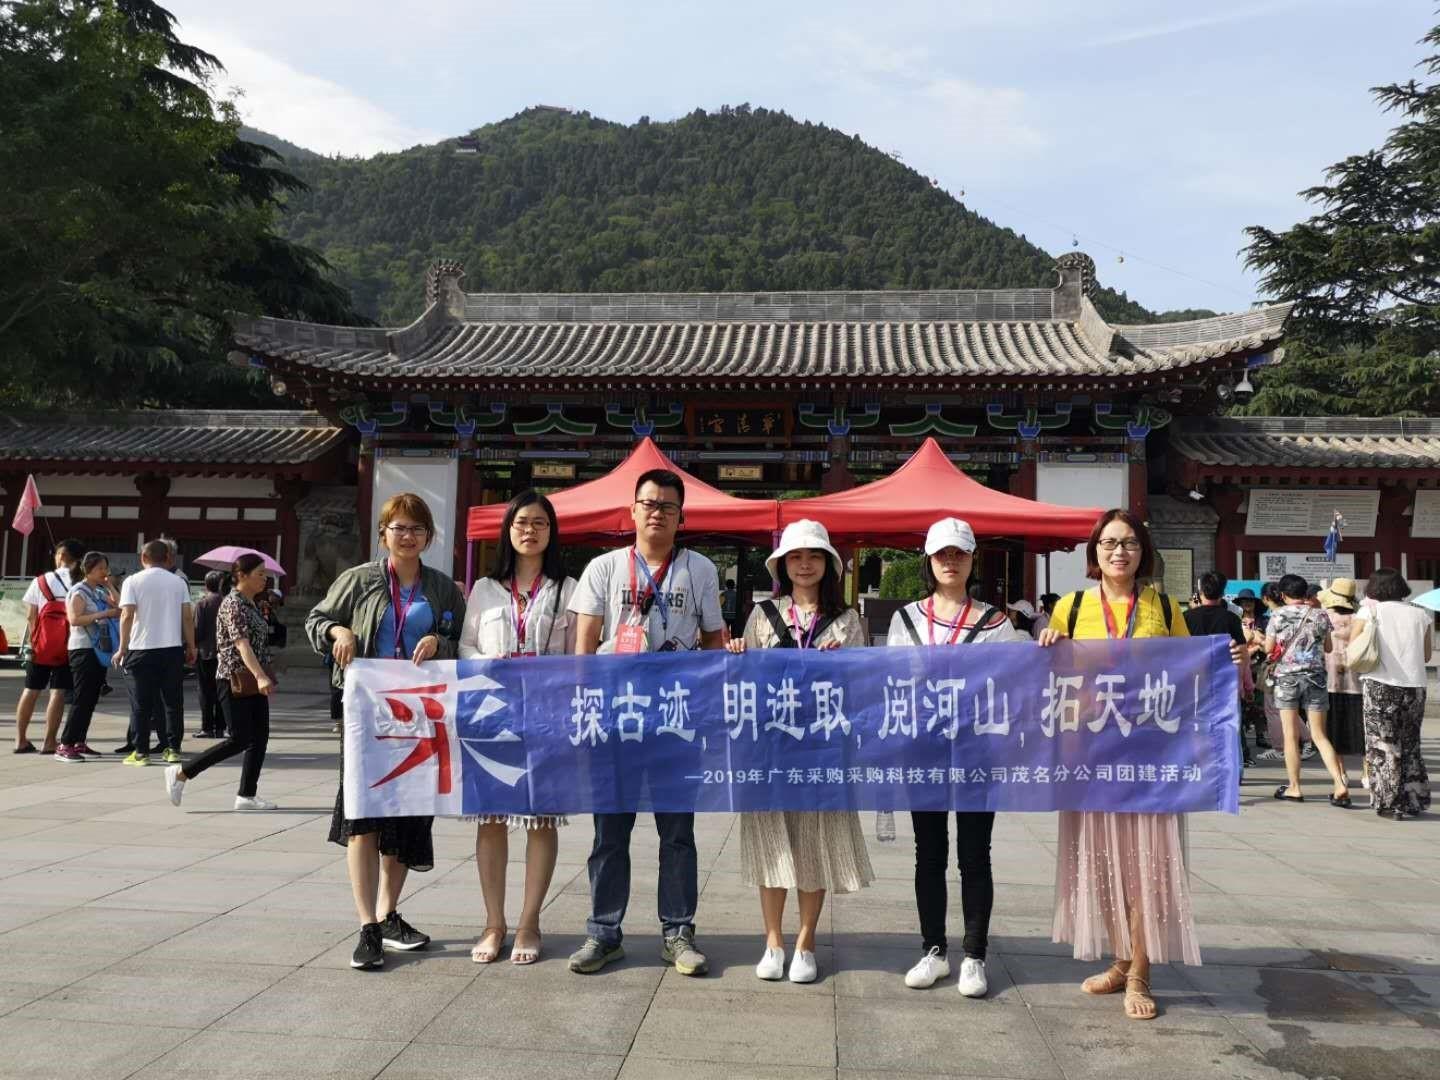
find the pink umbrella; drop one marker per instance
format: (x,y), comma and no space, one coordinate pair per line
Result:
(222,558)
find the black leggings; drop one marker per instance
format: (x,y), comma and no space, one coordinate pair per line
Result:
(248,720)
(977,885)
(87,675)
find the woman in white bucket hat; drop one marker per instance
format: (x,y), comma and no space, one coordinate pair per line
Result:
(812,852)
(948,616)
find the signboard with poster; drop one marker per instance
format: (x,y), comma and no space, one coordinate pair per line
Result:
(1426,519)
(1313,566)
(1306,512)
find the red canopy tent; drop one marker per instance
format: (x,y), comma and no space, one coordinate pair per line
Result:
(598,512)
(897,510)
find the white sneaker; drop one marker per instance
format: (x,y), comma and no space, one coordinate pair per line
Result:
(174,786)
(771,966)
(972,978)
(1270,755)
(243,803)
(1307,751)
(931,969)
(803,968)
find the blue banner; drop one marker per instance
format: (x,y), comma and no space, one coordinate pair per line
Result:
(1147,725)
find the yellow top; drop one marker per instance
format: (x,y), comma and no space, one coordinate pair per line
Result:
(1149,619)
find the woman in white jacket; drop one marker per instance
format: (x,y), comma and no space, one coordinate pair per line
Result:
(521,609)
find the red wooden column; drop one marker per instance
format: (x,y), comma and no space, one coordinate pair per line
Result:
(464,495)
(1230,527)
(365,495)
(1138,480)
(838,476)
(290,493)
(1023,483)
(1392,527)
(14,484)
(153,515)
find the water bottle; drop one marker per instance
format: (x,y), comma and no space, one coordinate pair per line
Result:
(885,826)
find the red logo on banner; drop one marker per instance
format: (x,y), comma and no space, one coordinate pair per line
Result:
(435,746)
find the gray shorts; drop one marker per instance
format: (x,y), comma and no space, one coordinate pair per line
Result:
(1302,690)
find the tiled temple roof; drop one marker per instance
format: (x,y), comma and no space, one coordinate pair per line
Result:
(1313,443)
(1004,334)
(220,437)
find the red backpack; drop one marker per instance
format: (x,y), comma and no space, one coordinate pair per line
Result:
(51,644)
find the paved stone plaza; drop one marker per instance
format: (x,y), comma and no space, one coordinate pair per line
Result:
(141,940)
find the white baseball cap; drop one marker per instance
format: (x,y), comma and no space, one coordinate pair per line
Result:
(949,532)
(1023,607)
(799,535)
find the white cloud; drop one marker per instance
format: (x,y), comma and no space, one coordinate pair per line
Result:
(308,110)
(1171,27)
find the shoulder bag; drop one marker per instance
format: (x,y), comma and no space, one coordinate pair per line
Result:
(1362,654)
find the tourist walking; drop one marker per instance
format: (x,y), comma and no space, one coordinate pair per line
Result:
(1211,616)
(1298,637)
(521,609)
(245,683)
(91,609)
(1122,877)
(47,636)
(812,852)
(394,608)
(947,616)
(157,640)
(212,723)
(650,597)
(1345,724)
(1394,694)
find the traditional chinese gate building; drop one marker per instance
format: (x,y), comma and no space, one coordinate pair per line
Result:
(1031,390)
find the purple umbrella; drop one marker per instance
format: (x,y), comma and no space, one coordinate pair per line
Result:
(221,558)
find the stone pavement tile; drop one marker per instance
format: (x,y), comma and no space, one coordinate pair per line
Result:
(64,810)
(234,938)
(648,1068)
(1352,864)
(935,1037)
(1253,946)
(756,1028)
(1342,1051)
(1054,983)
(98,932)
(304,900)
(865,972)
(50,1049)
(1283,994)
(245,861)
(1413,890)
(1347,917)
(176,994)
(28,976)
(225,1055)
(1012,934)
(1375,950)
(16,915)
(1170,1047)
(348,1004)
(1414,995)
(732,968)
(425,1062)
(1279,880)
(17,826)
(593,1017)
(1417,916)
(192,890)
(156,857)
(52,884)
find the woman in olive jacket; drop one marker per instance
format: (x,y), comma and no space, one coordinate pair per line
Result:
(394,608)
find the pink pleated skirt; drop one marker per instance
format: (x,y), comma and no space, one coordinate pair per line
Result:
(1108,864)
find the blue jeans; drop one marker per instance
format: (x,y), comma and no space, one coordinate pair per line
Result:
(609,866)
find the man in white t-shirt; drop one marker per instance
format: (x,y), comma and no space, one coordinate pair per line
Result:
(40,676)
(157,640)
(651,597)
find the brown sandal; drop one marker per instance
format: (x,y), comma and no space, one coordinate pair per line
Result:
(1139,1005)
(482,955)
(1109,981)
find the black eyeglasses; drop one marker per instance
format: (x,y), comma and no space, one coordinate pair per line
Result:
(1130,543)
(406,530)
(651,506)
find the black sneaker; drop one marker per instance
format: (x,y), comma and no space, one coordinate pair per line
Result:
(123,750)
(399,934)
(370,952)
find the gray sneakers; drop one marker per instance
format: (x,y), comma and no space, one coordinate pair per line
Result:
(680,950)
(594,955)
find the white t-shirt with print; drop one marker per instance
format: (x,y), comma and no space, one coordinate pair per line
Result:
(159,599)
(691,591)
(900,636)
(1403,630)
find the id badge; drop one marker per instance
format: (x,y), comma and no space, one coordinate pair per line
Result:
(630,638)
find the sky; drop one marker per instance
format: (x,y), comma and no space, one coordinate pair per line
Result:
(1152,131)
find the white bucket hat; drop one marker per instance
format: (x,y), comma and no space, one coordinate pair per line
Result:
(949,532)
(799,535)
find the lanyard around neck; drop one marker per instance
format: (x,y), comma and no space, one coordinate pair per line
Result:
(1131,611)
(653,583)
(954,630)
(804,635)
(521,607)
(400,605)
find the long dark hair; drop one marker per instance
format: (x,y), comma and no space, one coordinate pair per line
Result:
(832,596)
(551,565)
(81,567)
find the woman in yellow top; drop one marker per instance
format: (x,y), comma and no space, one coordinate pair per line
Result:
(1122,876)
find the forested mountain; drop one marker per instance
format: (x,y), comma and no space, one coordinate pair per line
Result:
(735,200)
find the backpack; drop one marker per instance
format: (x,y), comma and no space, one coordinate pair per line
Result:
(1080,595)
(771,611)
(50,646)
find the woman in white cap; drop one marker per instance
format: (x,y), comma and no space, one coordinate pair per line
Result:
(1022,617)
(812,852)
(948,616)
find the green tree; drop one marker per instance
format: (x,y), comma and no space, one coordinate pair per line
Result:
(135,217)
(1365,272)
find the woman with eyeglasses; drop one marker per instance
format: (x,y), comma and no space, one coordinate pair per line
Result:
(395,608)
(521,609)
(1122,877)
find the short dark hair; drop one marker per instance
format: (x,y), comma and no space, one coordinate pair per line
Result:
(551,564)
(832,595)
(927,572)
(82,567)
(213,580)
(156,552)
(1212,584)
(74,550)
(1386,583)
(662,478)
(1048,601)
(1293,587)
(245,564)
(412,506)
(1147,547)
